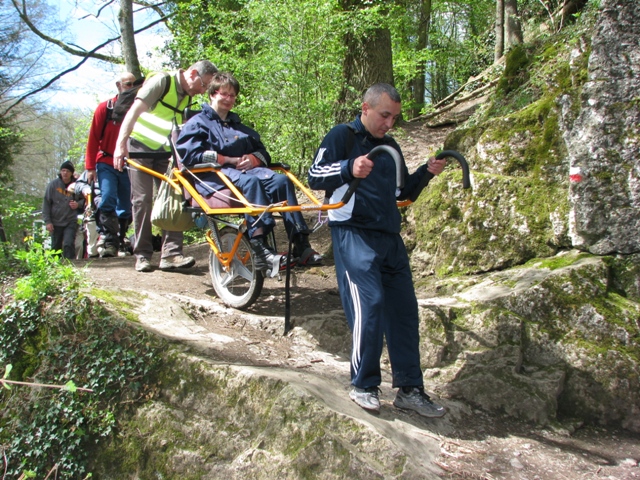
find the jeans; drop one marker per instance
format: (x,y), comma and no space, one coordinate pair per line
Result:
(64,238)
(265,189)
(115,188)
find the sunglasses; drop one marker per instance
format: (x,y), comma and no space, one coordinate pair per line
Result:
(127,84)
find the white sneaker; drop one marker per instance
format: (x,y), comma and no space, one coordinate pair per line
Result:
(366,398)
(143,265)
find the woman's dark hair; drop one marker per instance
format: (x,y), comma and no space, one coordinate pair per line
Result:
(222,79)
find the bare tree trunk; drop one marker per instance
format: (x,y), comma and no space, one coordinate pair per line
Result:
(513,30)
(499,48)
(423,40)
(368,60)
(130,53)
(3,235)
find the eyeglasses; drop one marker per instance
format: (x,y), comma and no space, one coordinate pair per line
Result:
(204,87)
(231,96)
(127,84)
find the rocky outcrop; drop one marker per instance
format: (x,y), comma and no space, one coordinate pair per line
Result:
(603,142)
(554,163)
(557,338)
(555,169)
(213,421)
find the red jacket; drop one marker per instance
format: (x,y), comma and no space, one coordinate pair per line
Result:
(102,138)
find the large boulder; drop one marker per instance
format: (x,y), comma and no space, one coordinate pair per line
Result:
(604,139)
(555,338)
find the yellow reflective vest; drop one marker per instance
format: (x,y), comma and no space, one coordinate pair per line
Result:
(154,126)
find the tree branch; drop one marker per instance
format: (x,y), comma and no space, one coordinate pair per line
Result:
(82,53)
(44,385)
(77,52)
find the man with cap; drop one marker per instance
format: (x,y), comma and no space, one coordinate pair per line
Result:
(60,210)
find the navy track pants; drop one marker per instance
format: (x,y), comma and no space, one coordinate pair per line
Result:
(378,297)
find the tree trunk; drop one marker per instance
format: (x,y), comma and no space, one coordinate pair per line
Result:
(3,235)
(423,40)
(499,47)
(129,51)
(513,30)
(368,60)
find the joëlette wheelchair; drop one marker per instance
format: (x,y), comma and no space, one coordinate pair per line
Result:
(232,264)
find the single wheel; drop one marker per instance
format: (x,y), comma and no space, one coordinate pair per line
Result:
(242,283)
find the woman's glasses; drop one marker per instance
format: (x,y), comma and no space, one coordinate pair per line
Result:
(230,96)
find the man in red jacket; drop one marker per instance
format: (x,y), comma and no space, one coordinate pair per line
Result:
(115,206)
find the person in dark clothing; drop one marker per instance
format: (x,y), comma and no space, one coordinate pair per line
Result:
(218,135)
(60,209)
(372,264)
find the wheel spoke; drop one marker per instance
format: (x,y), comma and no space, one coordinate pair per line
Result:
(240,269)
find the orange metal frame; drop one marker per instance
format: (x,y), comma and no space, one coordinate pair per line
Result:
(180,181)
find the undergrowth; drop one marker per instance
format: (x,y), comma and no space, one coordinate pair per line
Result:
(51,334)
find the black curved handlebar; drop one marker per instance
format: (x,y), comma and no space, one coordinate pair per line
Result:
(371,156)
(466,182)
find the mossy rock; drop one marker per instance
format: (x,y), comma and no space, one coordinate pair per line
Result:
(503,221)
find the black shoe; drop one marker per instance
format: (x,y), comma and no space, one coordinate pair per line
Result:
(110,251)
(302,249)
(266,261)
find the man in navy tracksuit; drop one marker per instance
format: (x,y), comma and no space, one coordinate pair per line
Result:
(372,265)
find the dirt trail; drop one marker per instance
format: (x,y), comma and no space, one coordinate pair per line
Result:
(472,443)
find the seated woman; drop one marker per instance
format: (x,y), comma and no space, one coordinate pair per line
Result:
(218,135)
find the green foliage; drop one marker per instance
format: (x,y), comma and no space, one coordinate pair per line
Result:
(10,145)
(17,214)
(78,148)
(194,236)
(288,66)
(45,273)
(65,339)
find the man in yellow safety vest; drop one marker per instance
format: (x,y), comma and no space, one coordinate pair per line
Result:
(146,128)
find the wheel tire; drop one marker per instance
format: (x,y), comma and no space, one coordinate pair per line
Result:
(239,287)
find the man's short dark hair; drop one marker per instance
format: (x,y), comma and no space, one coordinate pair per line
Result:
(375,91)
(204,67)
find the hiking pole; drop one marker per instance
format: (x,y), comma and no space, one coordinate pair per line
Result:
(466,182)
(371,156)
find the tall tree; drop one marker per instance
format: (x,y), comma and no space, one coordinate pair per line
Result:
(499,46)
(418,84)
(368,58)
(508,28)
(513,29)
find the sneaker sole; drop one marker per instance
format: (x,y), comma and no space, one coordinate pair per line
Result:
(409,409)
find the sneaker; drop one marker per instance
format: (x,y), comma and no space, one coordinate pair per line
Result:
(143,265)
(417,400)
(177,261)
(109,251)
(366,398)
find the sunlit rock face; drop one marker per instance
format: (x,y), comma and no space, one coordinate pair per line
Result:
(604,138)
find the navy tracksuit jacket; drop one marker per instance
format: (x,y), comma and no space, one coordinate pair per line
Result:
(372,264)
